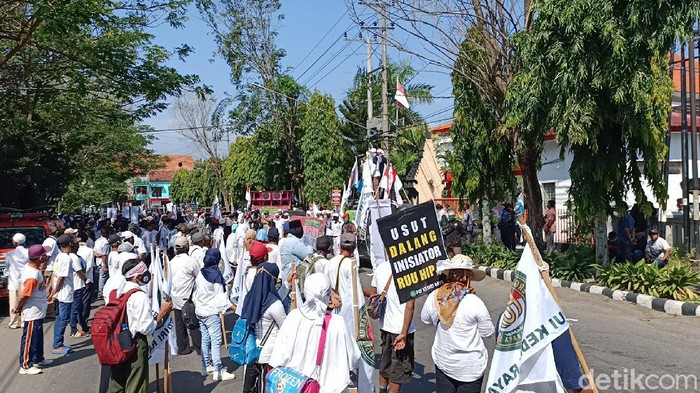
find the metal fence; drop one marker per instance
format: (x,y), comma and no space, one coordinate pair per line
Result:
(568,229)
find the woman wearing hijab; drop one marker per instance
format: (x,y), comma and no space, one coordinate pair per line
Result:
(462,323)
(264,312)
(298,340)
(210,300)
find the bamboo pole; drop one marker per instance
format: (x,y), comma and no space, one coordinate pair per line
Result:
(293,304)
(223,328)
(548,282)
(355,298)
(166,370)
(157,378)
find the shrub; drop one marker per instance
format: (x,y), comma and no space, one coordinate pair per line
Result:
(674,282)
(495,256)
(574,264)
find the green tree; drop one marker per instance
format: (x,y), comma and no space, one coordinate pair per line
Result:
(323,150)
(200,185)
(600,80)
(75,80)
(405,148)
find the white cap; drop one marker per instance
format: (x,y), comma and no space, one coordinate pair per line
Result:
(380,151)
(127,235)
(372,150)
(19,238)
(336,215)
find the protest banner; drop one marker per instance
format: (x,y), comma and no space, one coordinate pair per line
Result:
(414,244)
(313,228)
(336,194)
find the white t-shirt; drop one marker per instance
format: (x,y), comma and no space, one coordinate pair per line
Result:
(273,313)
(321,265)
(184,271)
(394,312)
(50,242)
(62,267)
(101,246)
(113,264)
(459,351)
(273,256)
(209,298)
(15,261)
(657,247)
(35,307)
(78,282)
(89,256)
(139,247)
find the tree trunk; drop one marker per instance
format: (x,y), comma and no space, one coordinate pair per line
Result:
(533,193)
(485,222)
(601,242)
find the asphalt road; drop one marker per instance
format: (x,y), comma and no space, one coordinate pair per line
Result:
(615,336)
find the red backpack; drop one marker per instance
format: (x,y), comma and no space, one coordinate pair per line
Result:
(110,334)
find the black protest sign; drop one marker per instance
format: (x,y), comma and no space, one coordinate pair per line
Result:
(413,243)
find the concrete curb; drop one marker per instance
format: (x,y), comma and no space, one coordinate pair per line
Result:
(667,306)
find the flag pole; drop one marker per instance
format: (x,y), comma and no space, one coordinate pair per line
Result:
(548,282)
(166,369)
(293,304)
(223,328)
(157,378)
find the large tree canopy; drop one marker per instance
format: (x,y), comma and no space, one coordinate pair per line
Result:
(599,80)
(75,79)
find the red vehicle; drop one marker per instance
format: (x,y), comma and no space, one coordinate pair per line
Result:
(35,226)
(270,201)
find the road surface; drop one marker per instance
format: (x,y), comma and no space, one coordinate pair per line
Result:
(614,336)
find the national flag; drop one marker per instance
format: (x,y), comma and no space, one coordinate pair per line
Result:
(165,332)
(523,360)
(400,96)
(248,198)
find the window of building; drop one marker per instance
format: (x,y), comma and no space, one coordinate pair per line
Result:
(548,193)
(156,191)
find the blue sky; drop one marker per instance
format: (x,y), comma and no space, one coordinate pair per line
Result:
(304,24)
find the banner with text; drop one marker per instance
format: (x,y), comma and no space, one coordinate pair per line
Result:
(414,245)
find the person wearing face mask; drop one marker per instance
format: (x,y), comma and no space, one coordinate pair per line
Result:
(462,322)
(132,375)
(299,337)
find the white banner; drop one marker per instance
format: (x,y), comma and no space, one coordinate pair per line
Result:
(523,360)
(378,209)
(160,288)
(228,272)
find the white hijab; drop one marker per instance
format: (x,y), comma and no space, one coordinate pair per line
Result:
(317,290)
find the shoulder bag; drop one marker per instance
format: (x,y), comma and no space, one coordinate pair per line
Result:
(188,313)
(286,380)
(376,304)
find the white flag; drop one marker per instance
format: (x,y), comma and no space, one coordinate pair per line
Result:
(523,360)
(228,272)
(216,209)
(400,96)
(160,289)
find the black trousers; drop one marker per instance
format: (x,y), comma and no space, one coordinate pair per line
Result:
(254,380)
(183,334)
(445,384)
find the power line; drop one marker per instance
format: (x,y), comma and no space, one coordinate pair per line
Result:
(321,40)
(336,67)
(330,60)
(320,57)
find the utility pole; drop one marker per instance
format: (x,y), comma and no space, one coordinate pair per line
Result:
(684,152)
(385,87)
(370,109)
(694,144)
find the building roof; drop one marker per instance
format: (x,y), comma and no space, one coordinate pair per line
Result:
(677,74)
(443,128)
(173,164)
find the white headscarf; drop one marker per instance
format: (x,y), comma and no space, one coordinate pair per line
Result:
(317,290)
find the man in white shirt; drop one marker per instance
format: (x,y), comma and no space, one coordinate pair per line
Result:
(62,292)
(15,261)
(88,256)
(343,273)
(184,273)
(100,252)
(197,250)
(80,291)
(334,230)
(217,232)
(132,375)
(273,256)
(658,250)
(135,241)
(397,331)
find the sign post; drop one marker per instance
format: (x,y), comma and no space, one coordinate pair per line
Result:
(414,244)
